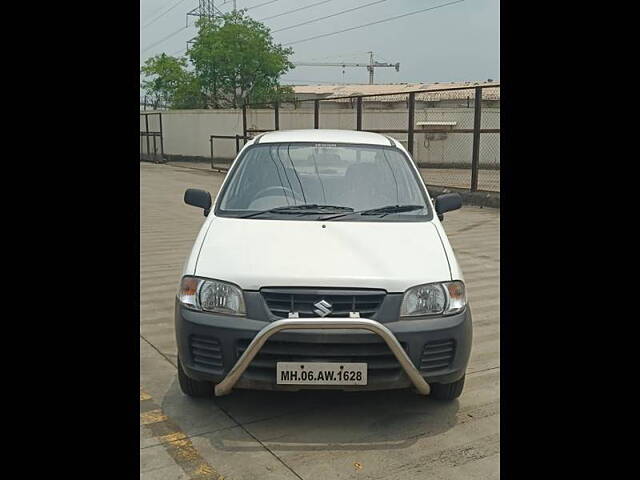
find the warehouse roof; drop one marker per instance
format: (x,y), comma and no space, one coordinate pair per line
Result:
(435,91)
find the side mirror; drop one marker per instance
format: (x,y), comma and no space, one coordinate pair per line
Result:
(198,198)
(447,202)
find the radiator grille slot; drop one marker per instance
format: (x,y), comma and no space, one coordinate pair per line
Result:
(437,355)
(206,352)
(281,301)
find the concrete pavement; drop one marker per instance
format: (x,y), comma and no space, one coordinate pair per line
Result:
(308,435)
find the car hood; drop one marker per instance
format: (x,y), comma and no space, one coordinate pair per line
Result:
(254,253)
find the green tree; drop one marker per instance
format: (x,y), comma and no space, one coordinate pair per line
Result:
(168,81)
(236,60)
(188,94)
(232,61)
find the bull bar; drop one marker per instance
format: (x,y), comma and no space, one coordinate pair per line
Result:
(227,384)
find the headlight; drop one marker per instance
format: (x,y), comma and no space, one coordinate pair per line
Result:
(211,296)
(444,298)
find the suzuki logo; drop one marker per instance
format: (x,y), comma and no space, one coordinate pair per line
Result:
(323,308)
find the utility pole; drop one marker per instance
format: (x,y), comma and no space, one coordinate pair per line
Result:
(205,8)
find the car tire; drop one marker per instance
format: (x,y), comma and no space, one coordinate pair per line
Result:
(447,391)
(191,387)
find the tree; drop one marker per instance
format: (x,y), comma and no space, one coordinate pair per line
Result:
(168,81)
(235,59)
(188,94)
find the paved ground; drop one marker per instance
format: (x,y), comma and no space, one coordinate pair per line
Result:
(488,180)
(271,435)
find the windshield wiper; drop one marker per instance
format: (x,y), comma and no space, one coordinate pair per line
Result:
(379,211)
(304,209)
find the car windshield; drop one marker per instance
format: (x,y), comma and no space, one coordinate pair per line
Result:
(315,180)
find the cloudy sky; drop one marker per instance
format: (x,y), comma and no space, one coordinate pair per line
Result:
(458,42)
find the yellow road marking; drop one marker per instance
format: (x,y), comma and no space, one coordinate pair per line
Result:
(175,442)
(172,437)
(204,471)
(152,416)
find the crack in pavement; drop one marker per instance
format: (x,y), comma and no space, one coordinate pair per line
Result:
(260,442)
(473,372)
(473,225)
(175,442)
(242,425)
(158,350)
(237,424)
(231,427)
(195,435)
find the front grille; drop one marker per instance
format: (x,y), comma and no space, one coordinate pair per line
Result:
(437,355)
(380,360)
(281,301)
(206,352)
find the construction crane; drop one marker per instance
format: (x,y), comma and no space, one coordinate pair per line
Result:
(370,66)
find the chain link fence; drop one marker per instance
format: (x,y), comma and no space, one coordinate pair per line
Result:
(452,134)
(147,103)
(336,115)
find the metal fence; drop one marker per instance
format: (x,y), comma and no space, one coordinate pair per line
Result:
(218,164)
(149,104)
(151,138)
(452,134)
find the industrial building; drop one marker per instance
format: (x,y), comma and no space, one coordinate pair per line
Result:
(436,96)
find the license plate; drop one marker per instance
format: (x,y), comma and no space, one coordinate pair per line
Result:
(321,373)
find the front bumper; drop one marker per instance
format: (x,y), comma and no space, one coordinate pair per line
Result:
(235,352)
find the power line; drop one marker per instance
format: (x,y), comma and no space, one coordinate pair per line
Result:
(223,4)
(182,50)
(206,8)
(358,53)
(336,55)
(372,23)
(294,10)
(160,8)
(329,16)
(261,5)
(164,38)
(162,14)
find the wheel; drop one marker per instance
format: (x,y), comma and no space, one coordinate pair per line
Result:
(191,387)
(447,391)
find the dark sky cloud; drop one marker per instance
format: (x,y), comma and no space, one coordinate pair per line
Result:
(459,42)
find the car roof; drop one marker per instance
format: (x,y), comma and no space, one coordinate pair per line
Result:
(324,136)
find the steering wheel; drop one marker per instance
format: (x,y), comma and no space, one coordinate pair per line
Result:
(266,191)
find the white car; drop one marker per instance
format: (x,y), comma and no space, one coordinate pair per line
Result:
(322,263)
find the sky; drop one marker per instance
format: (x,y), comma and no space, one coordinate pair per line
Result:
(458,42)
